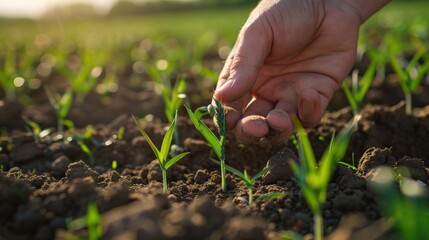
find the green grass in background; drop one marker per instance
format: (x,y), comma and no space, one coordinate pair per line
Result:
(225,22)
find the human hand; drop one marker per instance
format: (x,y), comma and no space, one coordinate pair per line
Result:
(289,58)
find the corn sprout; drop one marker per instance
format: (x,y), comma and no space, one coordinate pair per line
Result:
(162,154)
(250,182)
(217,144)
(313,177)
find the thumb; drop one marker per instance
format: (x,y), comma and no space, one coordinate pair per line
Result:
(242,67)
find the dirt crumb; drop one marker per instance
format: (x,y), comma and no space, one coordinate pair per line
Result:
(280,167)
(373,158)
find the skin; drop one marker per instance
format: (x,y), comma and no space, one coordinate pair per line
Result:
(289,59)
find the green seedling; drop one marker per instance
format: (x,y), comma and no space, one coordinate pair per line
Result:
(377,52)
(162,155)
(290,235)
(351,166)
(86,150)
(86,135)
(250,182)
(84,76)
(410,74)
(19,174)
(217,144)
(173,100)
(170,94)
(92,222)
(313,177)
(114,165)
(61,105)
(7,75)
(359,87)
(17,67)
(120,134)
(37,131)
(406,207)
(380,56)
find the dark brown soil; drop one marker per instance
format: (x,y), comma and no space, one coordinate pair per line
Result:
(46,182)
(49,182)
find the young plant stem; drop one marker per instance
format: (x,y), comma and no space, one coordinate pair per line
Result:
(408,103)
(222,164)
(250,195)
(164,180)
(222,174)
(318,226)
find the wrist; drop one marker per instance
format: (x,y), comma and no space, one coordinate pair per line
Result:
(366,8)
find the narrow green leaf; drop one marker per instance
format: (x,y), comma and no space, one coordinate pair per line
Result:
(309,193)
(36,127)
(206,132)
(65,104)
(201,112)
(68,123)
(175,159)
(353,168)
(350,98)
(402,75)
(366,80)
(246,176)
(260,173)
(231,170)
(339,148)
(168,138)
(86,149)
(271,196)
(89,131)
(290,235)
(93,221)
(421,72)
(92,216)
(306,153)
(415,60)
(148,140)
(312,199)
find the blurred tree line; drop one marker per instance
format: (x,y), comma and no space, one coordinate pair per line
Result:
(127,7)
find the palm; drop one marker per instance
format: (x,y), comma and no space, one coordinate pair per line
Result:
(303,66)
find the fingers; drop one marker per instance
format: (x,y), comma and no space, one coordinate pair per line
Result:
(234,110)
(309,108)
(263,119)
(308,101)
(242,66)
(281,124)
(251,128)
(240,72)
(253,125)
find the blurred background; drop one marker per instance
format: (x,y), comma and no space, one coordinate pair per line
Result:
(112,53)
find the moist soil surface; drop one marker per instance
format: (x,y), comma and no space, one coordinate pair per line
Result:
(48,182)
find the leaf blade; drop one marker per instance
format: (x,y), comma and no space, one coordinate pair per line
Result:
(175,159)
(147,138)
